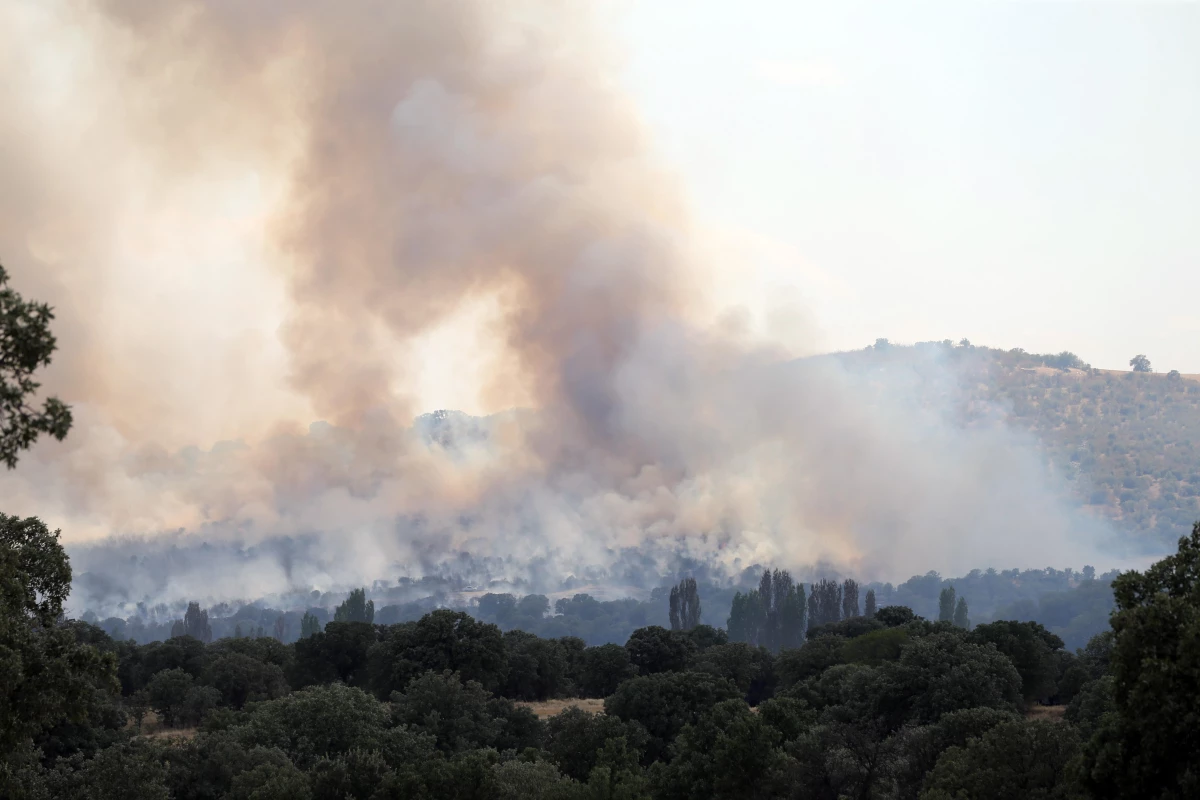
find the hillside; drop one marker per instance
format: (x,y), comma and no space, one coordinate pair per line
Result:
(1128,443)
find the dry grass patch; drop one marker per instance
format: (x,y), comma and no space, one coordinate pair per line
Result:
(548,708)
(170,733)
(1051,713)
(152,728)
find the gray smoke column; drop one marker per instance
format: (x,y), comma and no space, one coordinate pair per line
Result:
(408,158)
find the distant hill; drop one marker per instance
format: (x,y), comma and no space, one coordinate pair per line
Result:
(1127,442)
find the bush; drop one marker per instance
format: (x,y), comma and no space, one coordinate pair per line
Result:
(664,702)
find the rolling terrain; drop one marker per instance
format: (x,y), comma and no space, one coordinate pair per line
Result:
(1126,443)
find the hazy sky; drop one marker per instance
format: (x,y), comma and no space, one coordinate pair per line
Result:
(1020,173)
(250,216)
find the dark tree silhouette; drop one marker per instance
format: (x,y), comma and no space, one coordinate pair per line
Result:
(26,345)
(849,598)
(356,608)
(195,623)
(961,619)
(771,616)
(309,624)
(685,605)
(1149,746)
(946,605)
(824,604)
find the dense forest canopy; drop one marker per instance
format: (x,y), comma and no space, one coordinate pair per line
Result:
(879,704)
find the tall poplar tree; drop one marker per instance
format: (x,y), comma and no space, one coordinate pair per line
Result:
(824,603)
(849,598)
(946,605)
(356,608)
(961,620)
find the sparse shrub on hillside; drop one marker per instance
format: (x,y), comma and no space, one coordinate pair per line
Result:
(1098,429)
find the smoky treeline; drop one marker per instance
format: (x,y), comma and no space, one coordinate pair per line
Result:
(1129,474)
(1072,604)
(886,703)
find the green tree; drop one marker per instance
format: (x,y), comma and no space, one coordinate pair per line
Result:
(875,647)
(728,752)
(453,712)
(1140,363)
(920,746)
(339,653)
(673,610)
(439,641)
(1150,747)
(748,668)
(355,608)
(136,706)
(792,616)
(575,738)
(664,703)
(354,774)
(943,672)
(309,625)
(771,616)
(326,721)
(824,603)
(706,636)
(684,611)
(656,649)
(961,615)
(896,616)
(195,623)
(746,618)
(1090,705)
(127,771)
(1033,650)
(537,668)
(1027,759)
(26,345)
(168,692)
(182,652)
(849,598)
(532,780)
(604,668)
(240,678)
(946,605)
(870,608)
(46,675)
(273,777)
(816,656)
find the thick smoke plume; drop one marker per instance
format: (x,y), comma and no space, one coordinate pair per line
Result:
(251,215)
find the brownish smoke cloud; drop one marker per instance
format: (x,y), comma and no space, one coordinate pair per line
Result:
(403,159)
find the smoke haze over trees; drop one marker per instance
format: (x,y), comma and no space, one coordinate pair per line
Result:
(630,413)
(1129,474)
(277,578)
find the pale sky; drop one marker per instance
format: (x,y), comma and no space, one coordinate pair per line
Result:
(1020,173)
